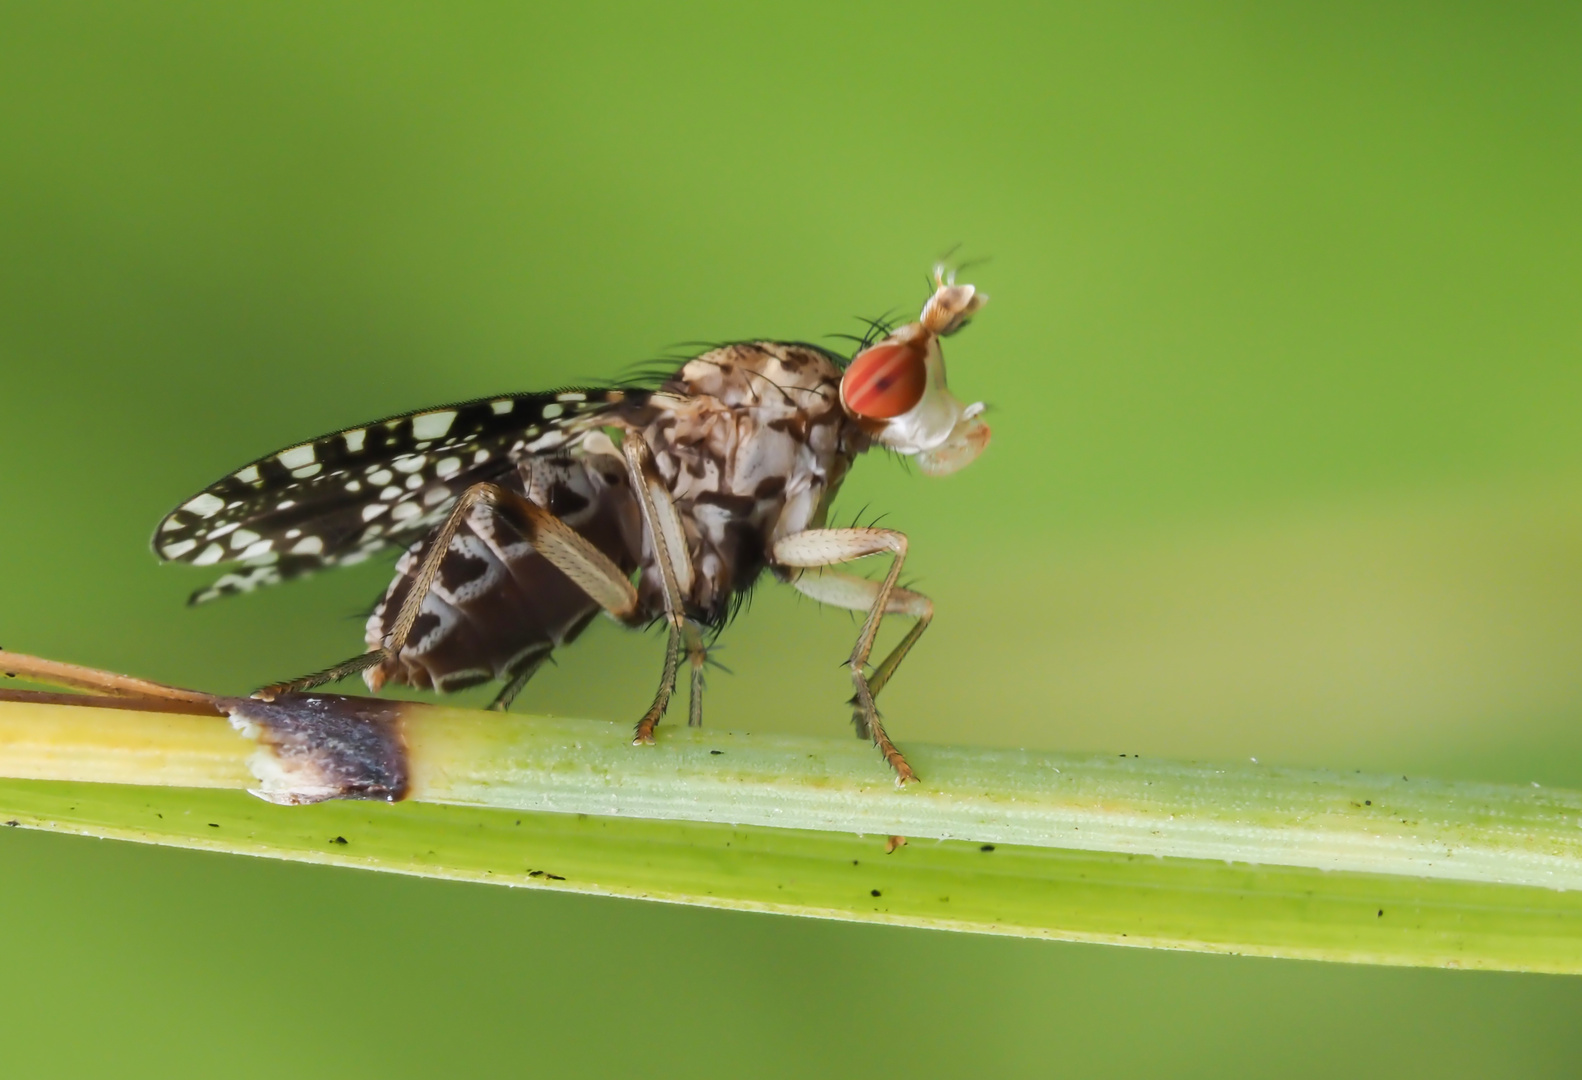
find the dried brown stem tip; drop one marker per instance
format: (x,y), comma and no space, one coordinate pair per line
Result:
(75,677)
(313,747)
(310,747)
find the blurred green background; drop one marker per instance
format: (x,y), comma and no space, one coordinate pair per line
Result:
(1283,364)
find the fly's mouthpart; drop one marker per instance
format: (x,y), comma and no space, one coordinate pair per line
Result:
(967,440)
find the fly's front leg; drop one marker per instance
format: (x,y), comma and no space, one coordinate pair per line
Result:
(837,589)
(829,547)
(663,526)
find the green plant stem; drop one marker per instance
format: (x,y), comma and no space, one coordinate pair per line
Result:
(1222,858)
(1243,813)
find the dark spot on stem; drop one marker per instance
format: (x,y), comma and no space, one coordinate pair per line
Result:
(875,892)
(338,840)
(987,847)
(329,747)
(213,825)
(716,752)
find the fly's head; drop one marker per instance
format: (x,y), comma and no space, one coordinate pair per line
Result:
(896,388)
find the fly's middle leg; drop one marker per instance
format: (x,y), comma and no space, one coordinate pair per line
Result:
(663,530)
(697,656)
(837,589)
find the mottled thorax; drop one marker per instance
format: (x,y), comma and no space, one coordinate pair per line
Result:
(752,442)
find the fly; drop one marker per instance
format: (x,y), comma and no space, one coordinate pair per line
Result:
(523,516)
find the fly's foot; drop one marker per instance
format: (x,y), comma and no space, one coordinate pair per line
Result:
(903,772)
(866,717)
(643,734)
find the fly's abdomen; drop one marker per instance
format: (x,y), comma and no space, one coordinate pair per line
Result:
(497,607)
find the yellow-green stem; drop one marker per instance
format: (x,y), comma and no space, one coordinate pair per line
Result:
(1166,854)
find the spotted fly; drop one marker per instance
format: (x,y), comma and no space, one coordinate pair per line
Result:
(522,516)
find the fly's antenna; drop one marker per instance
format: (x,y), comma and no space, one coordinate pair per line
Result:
(945,270)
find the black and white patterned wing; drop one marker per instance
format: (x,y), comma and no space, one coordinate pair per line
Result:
(341,498)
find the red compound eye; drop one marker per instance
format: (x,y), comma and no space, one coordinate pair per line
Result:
(884,381)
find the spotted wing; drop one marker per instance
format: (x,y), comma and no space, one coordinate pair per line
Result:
(341,498)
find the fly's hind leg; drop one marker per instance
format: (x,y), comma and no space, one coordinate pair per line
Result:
(437,545)
(562,546)
(837,589)
(818,548)
(517,679)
